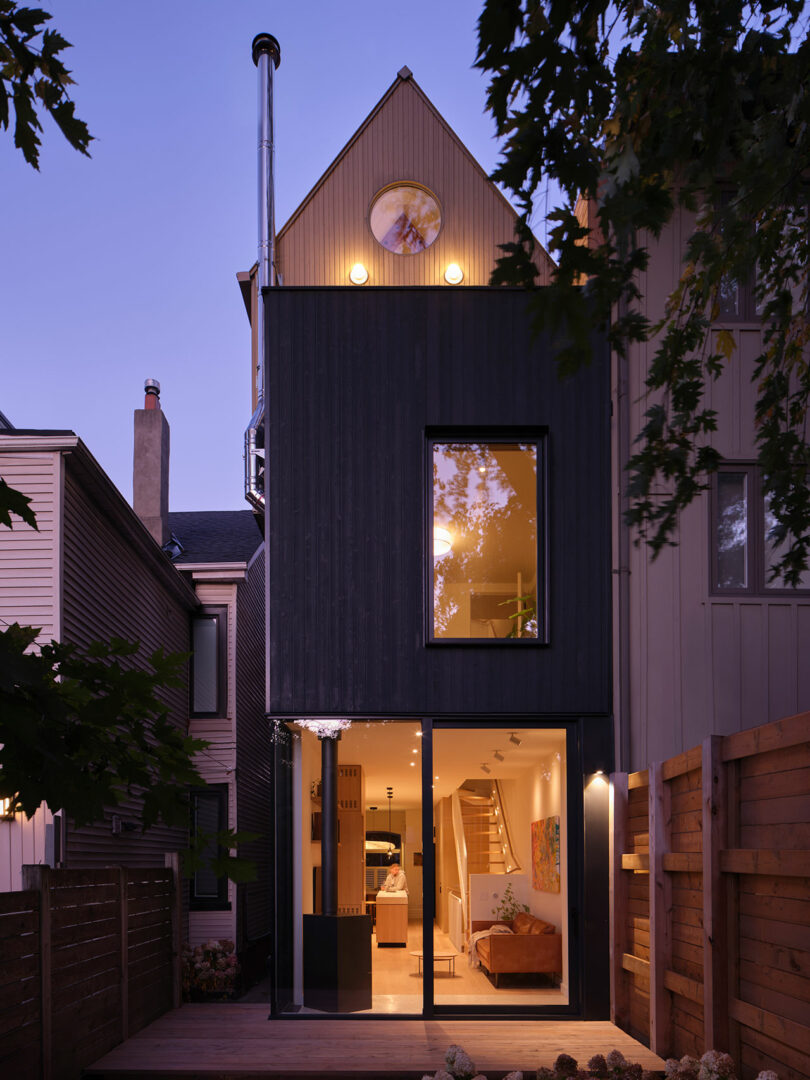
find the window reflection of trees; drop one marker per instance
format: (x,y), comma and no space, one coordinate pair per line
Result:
(493,524)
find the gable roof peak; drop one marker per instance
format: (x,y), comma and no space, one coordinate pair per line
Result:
(404,72)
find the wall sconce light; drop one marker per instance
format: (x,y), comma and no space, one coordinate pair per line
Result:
(6,809)
(454,275)
(358,275)
(498,755)
(442,541)
(485,768)
(514,739)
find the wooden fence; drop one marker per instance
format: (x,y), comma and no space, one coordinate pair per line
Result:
(710,900)
(89,958)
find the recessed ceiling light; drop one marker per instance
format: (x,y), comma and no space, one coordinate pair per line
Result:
(413,764)
(414,751)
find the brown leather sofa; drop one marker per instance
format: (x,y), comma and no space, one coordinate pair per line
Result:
(533,946)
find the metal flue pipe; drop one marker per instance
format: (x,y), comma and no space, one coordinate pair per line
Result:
(329,825)
(266,53)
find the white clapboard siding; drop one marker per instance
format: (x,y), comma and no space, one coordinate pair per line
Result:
(29,559)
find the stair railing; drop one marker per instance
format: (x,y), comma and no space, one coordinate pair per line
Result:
(461,854)
(511,863)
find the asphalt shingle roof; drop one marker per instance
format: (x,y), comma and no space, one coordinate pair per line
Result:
(216,536)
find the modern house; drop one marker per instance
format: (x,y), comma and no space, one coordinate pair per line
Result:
(438,571)
(452,587)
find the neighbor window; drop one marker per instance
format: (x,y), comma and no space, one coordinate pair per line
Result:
(209,816)
(208,663)
(744,546)
(484,540)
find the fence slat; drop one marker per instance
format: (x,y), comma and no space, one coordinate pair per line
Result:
(660,907)
(38,878)
(619,944)
(716,936)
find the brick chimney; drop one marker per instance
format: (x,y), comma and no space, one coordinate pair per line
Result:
(150,466)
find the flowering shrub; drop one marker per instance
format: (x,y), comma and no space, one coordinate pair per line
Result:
(211,968)
(712,1066)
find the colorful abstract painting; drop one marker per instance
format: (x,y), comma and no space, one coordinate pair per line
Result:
(546,854)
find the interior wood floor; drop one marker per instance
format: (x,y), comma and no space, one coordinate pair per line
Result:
(397,986)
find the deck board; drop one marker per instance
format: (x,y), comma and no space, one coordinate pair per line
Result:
(218,1042)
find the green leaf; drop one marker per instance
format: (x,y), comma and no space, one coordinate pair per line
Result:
(14,502)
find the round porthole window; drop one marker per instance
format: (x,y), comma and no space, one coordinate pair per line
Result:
(405,218)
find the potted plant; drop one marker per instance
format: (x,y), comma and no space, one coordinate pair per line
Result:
(508,906)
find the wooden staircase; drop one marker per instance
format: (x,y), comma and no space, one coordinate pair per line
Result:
(482,834)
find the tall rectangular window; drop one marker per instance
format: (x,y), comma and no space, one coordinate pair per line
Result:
(484,551)
(744,542)
(209,662)
(209,816)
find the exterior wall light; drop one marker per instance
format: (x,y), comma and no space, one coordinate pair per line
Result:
(454,275)
(358,275)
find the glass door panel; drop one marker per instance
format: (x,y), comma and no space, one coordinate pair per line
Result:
(499,813)
(379,863)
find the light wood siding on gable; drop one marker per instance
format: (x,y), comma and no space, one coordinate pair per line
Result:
(703,664)
(253,754)
(405,139)
(108,589)
(29,559)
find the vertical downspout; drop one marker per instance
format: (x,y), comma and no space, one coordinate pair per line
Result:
(623,742)
(267,57)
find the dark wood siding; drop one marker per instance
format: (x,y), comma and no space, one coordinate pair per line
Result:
(357,377)
(112,586)
(253,755)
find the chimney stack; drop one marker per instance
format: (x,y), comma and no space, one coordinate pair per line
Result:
(150,471)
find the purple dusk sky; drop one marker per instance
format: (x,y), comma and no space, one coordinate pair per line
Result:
(122,267)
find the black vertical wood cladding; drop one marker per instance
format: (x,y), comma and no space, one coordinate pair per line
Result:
(356,377)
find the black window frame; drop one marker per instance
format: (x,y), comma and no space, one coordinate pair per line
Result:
(484,434)
(220,902)
(219,614)
(755,537)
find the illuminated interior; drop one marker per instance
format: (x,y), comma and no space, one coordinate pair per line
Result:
(503,828)
(485,540)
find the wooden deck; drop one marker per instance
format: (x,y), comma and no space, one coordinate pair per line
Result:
(217,1042)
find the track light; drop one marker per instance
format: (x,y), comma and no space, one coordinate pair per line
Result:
(485,768)
(514,739)
(498,755)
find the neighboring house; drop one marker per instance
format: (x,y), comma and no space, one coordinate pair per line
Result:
(705,643)
(222,554)
(91,571)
